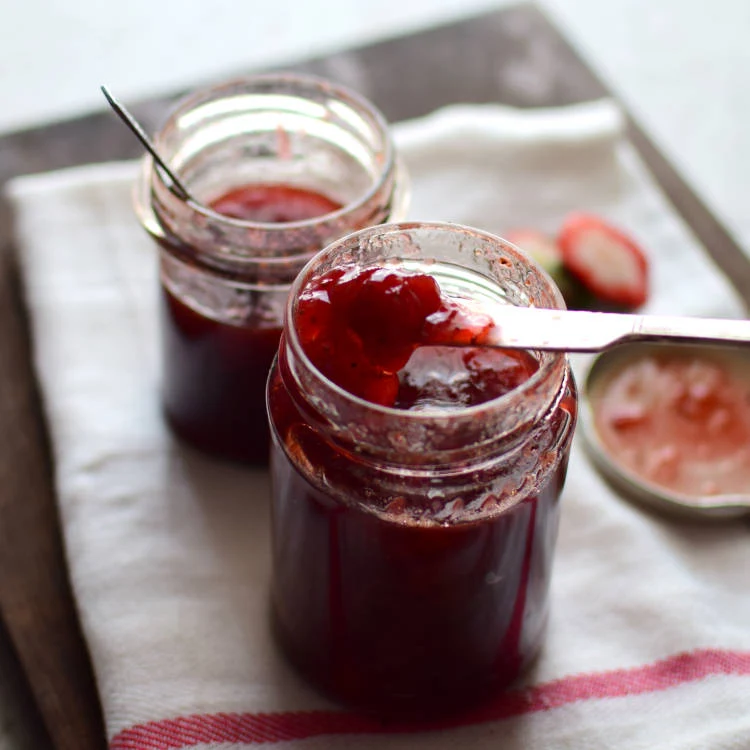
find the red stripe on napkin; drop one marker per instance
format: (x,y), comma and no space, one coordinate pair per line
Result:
(254,729)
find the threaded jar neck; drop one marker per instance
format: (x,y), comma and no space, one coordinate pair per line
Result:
(480,265)
(291,130)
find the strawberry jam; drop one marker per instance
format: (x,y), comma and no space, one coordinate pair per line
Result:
(412,534)
(679,417)
(273,204)
(387,336)
(214,371)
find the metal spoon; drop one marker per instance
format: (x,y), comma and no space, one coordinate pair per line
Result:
(174,184)
(580,331)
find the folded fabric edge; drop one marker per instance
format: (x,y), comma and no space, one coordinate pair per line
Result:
(599,120)
(100,173)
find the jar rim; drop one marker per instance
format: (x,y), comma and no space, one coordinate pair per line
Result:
(314,83)
(551,372)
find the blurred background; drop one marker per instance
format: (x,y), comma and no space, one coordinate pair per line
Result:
(682,66)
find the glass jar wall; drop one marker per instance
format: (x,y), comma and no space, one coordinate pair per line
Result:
(412,549)
(280,166)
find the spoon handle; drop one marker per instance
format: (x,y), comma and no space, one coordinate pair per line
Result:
(579,331)
(174,184)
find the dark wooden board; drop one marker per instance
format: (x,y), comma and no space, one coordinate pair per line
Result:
(469,61)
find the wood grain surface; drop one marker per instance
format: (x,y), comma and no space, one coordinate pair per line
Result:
(514,56)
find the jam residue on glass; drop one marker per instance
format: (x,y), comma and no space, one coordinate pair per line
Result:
(409,593)
(679,419)
(215,371)
(388,335)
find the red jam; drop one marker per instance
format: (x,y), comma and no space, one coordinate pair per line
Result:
(386,335)
(273,204)
(404,595)
(679,419)
(215,372)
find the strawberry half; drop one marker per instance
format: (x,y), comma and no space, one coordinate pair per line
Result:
(609,263)
(545,251)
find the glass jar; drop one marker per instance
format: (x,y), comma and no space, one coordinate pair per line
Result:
(307,162)
(412,549)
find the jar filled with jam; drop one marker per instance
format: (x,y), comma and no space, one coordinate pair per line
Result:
(278,166)
(416,473)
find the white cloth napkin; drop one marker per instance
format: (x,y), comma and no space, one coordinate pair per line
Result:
(649,638)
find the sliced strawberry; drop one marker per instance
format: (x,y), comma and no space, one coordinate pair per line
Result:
(609,263)
(546,252)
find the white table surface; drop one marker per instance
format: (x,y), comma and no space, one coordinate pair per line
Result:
(682,66)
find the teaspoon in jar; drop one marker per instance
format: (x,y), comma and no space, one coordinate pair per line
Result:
(175,185)
(583,331)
